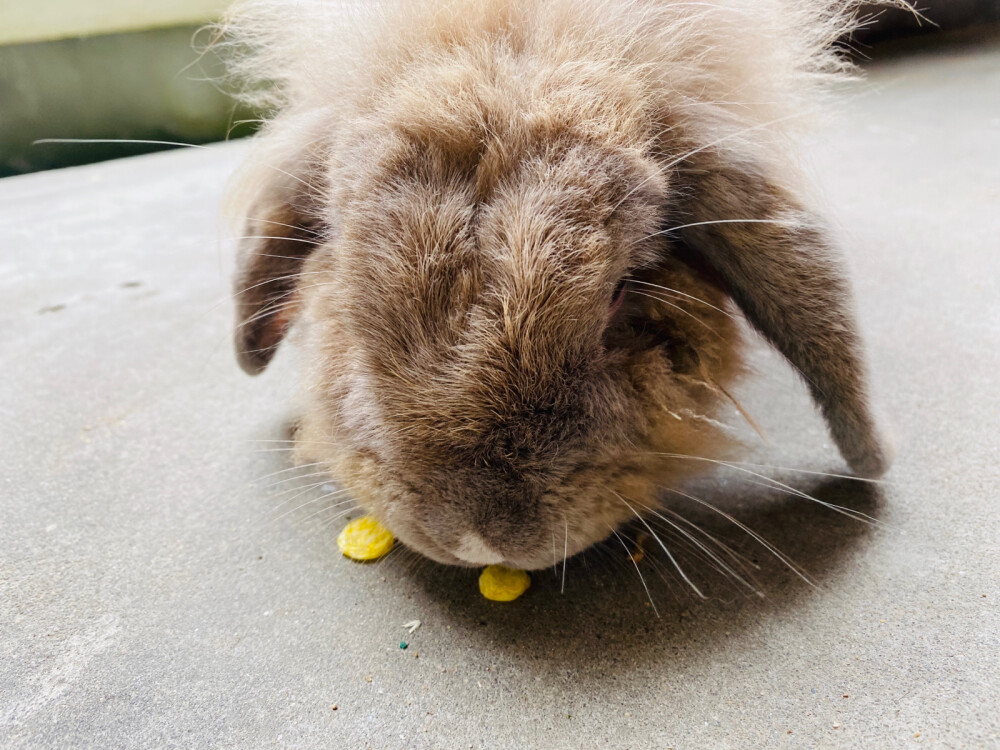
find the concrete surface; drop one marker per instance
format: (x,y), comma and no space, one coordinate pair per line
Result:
(154,592)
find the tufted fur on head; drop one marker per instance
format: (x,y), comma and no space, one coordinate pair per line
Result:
(511,232)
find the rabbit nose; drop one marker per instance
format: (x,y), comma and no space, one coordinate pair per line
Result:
(503,521)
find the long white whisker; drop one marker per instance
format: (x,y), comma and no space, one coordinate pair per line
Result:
(723,565)
(814,473)
(641,578)
(676,307)
(302,488)
(280,440)
(285,471)
(741,560)
(296,227)
(314,500)
(308,241)
(716,142)
(294,177)
(683,294)
(139,141)
(310,475)
(670,230)
(328,508)
(562,590)
(269,310)
(271,281)
(660,542)
(850,513)
(304,491)
(761,540)
(147,142)
(555,558)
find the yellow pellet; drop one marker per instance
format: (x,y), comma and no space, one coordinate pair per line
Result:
(365,539)
(500,584)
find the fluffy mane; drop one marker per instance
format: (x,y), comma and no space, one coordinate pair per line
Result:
(728,64)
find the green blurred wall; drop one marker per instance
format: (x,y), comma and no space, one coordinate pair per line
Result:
(38,20)
(144,84)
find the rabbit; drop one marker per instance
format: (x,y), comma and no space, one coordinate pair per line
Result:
(515,238)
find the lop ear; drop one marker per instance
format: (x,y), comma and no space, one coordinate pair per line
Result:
(783,271)
(280,229)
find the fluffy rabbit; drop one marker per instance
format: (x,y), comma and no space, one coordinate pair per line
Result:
(513,235)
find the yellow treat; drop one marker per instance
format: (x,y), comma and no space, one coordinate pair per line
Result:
(500,584)
(365,539)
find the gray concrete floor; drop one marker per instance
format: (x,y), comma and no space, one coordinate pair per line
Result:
(152,593)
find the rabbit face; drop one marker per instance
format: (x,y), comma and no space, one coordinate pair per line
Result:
(493,357)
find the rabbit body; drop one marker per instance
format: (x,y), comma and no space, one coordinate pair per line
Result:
(514,237)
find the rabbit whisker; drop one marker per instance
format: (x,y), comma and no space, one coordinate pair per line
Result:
(150,142)
(670,230)
(664,546)
(722,565)
(753,534)
(269,310)
(303,487)
(305,504)
(562,589)
(272,237)
(138,141)
(285,471)
(295,442)
(775,484)
(683,294)
(310,475)
(688,154)
(676,307)
(741,560)
(296,227)
(271,281)
(808,471)
(555,558)
(328,508)
(637,570)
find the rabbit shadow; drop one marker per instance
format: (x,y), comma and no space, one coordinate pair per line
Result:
(764,551)
(601,613)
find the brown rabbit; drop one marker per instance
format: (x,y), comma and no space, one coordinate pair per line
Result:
(510,233)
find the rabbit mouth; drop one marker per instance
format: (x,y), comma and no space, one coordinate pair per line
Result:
(473,549)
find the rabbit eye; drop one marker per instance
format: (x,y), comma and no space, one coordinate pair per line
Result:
(619,296)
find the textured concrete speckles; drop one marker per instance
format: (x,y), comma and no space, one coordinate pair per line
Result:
(156,591)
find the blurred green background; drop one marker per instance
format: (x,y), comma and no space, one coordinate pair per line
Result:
(124,69)
(107,69)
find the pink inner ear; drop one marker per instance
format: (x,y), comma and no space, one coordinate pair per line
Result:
(618,299)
